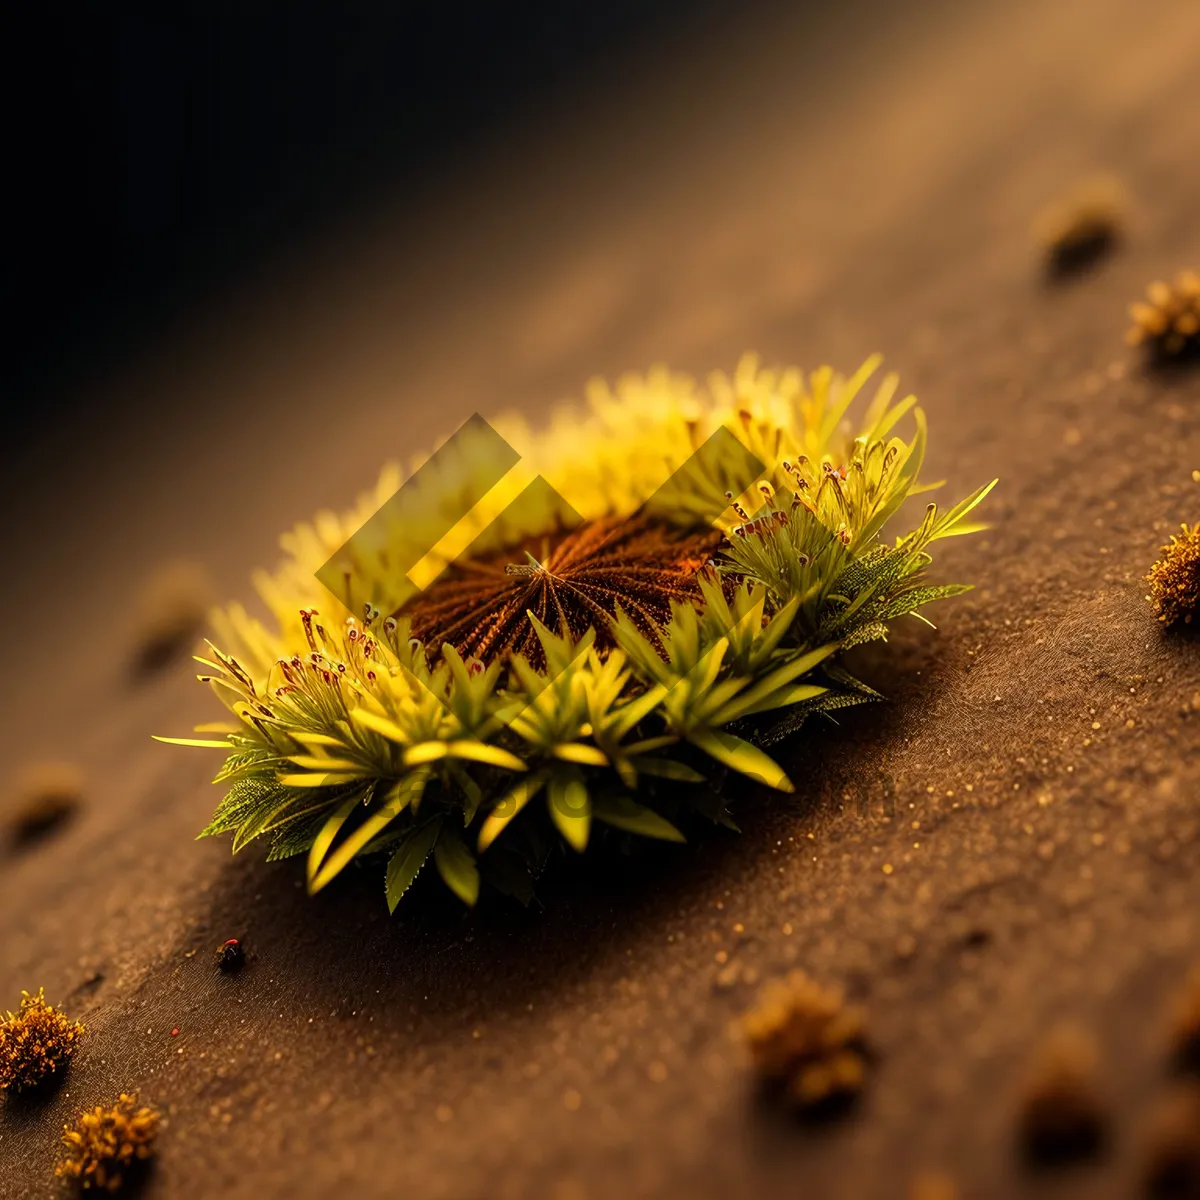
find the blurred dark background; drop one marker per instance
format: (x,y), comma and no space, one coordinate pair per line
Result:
(154,152)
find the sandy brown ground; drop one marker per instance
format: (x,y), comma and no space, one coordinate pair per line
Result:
(1031,784)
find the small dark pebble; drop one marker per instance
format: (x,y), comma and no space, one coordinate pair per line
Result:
(231,958)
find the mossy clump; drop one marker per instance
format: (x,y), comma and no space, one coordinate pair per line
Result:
(173,606)
(1171,1150)
(1174,579)
(933,1185)
(1168,320)
(45,795)
(106,1144)
(1184,1024)
(1062,1115)
(671,593)
(804,1038)
(36,1043)
(1083,225)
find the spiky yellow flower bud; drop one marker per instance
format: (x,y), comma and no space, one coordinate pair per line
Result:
(35,1043)
(105,1143)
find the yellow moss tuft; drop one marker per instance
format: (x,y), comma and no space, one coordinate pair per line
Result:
(535,672)
(44,794)
(1061,1112)
(805,1036)
(1168,320)
(1083,224)
(1175,578)
(1171,1146)
(105,1143)
(173,606)
(35,1043)
(1184,1023)
(933,1185)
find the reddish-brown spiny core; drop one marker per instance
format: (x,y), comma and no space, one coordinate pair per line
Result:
(571,582)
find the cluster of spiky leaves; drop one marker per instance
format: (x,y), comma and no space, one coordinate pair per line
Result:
(35,1043)
(631,677)
(105,1144)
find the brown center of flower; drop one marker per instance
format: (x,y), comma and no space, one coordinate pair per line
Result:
(574,581)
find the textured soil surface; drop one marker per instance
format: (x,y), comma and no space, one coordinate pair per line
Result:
(1011,841)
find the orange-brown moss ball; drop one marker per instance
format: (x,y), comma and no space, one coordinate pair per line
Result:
(1175,578)
(36,1043)
(44,795)
(805,1037)
(933,1185)
(1061,1113)
(1168,320)
(1171,1149)
(1082,225)
(1184,1023)
(104,1144)
(172,607)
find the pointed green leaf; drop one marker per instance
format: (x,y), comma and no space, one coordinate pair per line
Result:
(890,419)
(943,526)
(667,768)
(380,725)
(205,743)
(313,740)
(516,799)
(319,779)
(456,865)
(429,752)
(315,762)
(578,752)
(622,812)
(398,799)
(324,839)
(742,756)
(637,709)
(409,858)
(495,756)
(571,808)
(776,627)
(646,745)
(750,700)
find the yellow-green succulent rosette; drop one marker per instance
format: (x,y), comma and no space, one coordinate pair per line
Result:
(621,621)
